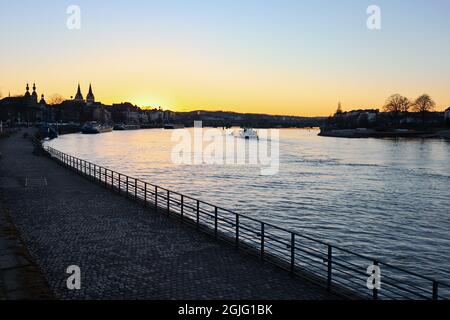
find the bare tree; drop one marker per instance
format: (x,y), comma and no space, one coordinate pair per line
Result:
(56,99)
(396,104)
(424,104)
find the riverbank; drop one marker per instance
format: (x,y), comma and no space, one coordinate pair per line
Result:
(126,251)
(369,133)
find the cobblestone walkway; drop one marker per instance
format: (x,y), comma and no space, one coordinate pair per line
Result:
(124,251)
(19,276)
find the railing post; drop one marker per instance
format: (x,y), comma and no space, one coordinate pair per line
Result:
(237,231)
(168,201)
(127,185)
(106,177)
(120,186)
(215,222)
(198,213)
(135,189)
(156,199)
(262,240)
(435,290)
(182,206)
(375,290)
(145,194)
(292,252)
(112,180)
(90,170)
(329,260)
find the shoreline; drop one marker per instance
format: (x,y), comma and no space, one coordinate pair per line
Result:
(364,133)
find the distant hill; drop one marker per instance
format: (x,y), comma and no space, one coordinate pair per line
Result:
(227,118)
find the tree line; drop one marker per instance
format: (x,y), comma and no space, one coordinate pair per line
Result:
(397,103)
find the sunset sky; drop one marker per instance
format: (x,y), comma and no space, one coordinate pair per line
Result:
(267,56)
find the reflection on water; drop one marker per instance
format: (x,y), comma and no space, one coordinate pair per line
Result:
(384,198)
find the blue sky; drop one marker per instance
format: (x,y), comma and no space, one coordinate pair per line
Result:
(292,57)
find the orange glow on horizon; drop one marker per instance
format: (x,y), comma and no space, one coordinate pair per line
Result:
(184,99)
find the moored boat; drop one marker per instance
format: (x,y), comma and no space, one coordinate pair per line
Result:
(121,127)
(94,127)
(171,126)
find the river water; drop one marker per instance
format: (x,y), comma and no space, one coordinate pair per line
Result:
(387,198)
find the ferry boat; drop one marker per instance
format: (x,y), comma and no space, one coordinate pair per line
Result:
(94,127)
(248,133)
(122,126)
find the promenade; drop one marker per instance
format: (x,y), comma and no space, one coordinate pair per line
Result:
(125,251)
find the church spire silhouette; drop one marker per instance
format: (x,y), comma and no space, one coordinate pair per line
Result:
(79,95)
(34,94)
(27,92)
(90,96)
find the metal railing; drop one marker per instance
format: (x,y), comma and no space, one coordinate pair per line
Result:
(338,269)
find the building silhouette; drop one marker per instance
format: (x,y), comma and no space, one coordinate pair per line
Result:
(24,108)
